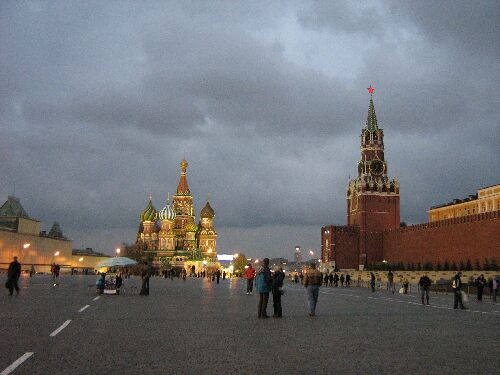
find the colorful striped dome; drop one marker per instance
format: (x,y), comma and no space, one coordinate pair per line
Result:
(167,213)
(149,213)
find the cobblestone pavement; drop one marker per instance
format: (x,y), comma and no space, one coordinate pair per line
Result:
(197,326)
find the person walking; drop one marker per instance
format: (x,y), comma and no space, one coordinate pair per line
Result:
(249,275)
(145,280)
(335,280)
(277,289)
(390,282)
(217,275)
(301,278)
(263,283)
(330,278)
(348,281)
(342,279)
(325,280)
(480,284)
(425,284)
(224,275)
(312,282)
(457,291)
(372,281)
(494,288)
(13,274)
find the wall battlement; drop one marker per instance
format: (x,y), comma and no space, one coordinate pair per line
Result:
(449,222)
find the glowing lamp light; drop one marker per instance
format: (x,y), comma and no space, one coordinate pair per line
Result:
(26,245)
(236,255)
(57,253)
(311,252)
(118,251)
(246,267)
(81,259)
(210,250)
(204,262)
(256,261)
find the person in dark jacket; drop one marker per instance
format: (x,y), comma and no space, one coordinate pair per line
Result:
(330,278)
(13,274)
(336,280)
(217,275)
(457,291)
(425,284)
(263,295)
(342,278)
(277,290)
(145,274)
(348,280)
(480,284)
(372,281)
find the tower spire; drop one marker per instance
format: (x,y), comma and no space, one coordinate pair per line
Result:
(371,120)
(183,187)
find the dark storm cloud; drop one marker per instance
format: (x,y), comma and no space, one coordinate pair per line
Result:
(99,102)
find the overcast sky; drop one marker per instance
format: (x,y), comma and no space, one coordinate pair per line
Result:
(100,100)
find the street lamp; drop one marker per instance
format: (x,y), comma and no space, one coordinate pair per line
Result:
(81,259)
(256,261)
(118,251)
(26,245)
(57,253)
(235,256)
(311,252)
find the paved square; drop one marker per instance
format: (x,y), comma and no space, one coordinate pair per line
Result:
(197,326)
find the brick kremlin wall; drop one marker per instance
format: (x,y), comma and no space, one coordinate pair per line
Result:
(346,240)
(458,239)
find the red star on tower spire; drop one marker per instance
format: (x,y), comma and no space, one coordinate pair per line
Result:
(371,90)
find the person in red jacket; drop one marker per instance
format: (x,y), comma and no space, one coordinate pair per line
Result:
(249,275)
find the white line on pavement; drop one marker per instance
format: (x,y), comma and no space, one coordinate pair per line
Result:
(16,363)
(64,325)
(83,308)
(95,299)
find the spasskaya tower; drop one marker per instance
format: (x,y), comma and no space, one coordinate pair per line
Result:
(372,197)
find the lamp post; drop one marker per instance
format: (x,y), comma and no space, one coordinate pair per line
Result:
(118,251)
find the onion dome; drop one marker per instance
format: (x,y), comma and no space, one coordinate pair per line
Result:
(207,212)
(191,227)
(149,213)
(167,212)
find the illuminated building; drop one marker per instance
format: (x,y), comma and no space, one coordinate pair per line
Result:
(486,200)
(172,235)
(21,236)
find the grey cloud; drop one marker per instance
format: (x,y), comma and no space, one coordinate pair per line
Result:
(99,103)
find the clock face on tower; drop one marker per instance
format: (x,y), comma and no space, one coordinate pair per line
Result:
(377,167)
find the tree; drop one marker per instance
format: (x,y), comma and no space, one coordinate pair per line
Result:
(438,266)
(135,251)
(239,263)
(468,265)
(478,265)
(453,266)
(494,266)
(462,265)
(446,266)
(486,264)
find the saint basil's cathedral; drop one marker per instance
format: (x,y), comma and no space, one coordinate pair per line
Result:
(172,236)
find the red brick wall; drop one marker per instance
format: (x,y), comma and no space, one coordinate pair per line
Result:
(471,237)
(346,246)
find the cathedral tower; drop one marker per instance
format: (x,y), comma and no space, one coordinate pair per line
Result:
(183,206)
(148,234)
(167,236)
(207,236)
(372,197)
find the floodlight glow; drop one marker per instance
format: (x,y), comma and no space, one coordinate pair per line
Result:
(81,259)
(56,253)
(26,245)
